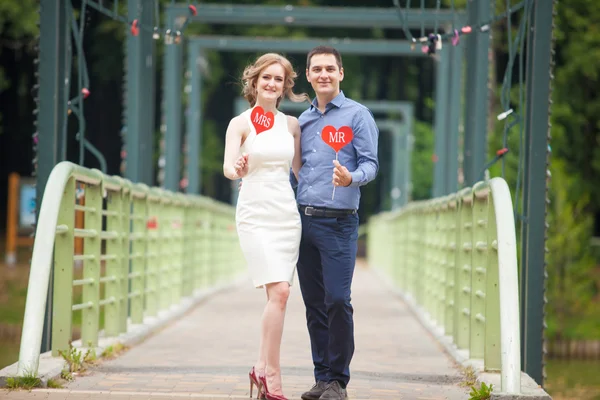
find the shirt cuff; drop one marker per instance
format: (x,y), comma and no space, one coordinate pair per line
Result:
(356,178)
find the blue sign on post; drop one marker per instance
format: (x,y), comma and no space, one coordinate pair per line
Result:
(27,203)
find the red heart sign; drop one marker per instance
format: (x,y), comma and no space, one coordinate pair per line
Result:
(262,121)
(337,138)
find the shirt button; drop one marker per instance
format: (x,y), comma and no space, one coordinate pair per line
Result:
(314,150)
(310,187)
(312,169)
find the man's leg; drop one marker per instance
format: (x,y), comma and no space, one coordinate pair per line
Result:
(310,276)
(338,244)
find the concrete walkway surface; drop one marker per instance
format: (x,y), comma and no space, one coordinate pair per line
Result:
(207,353)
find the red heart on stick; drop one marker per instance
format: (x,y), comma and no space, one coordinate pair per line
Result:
(262,121)
(337,138)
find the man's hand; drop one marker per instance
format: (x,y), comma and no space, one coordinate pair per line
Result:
(341,175)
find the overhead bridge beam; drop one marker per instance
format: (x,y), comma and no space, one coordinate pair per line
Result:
(345,46)
(332,17)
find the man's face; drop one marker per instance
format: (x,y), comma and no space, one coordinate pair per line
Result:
(324,75)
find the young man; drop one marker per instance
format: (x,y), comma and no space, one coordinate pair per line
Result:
(330,220)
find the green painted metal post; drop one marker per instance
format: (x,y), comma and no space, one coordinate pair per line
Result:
(441,122)
(479,260)
(92,245)
(140,280)
(125,262)
(114,248)
(453,120)
(492,359)
(533,231)
(476,110)
(172,87)
(63,271)
(52,104)
(207,256)
(194,129)
(463,269)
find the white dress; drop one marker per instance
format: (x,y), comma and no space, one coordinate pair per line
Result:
(267,218)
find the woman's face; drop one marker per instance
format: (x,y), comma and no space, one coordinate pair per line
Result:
(269,85)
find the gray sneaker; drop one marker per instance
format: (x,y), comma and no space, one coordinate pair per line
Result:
(334,392)
(315,392)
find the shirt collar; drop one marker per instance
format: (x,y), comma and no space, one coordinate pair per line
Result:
(337,101)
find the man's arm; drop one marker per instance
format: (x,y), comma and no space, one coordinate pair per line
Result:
(365,140)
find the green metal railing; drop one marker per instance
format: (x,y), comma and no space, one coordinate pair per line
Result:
(454,260)
(144,250)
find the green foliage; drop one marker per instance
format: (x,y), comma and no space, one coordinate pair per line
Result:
(27,382)
(77,361)
(113,351)
(484,392)
(18,28)
(571,284)
(421,162)
(55,384)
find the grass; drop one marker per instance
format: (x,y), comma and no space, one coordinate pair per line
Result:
(9,353)
(573,379)
(23,382)
(13,292)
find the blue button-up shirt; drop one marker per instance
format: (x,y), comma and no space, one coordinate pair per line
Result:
(315,185)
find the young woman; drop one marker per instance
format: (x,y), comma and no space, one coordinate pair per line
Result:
(261,146)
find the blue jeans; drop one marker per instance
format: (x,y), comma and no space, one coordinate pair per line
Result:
(325,269)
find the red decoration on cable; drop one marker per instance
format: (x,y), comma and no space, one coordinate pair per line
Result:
(135,30)
(85,93)
(502,152)
(466,29)
(193,9)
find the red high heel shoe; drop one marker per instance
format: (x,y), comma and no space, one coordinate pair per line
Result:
(270,396)
(255,381)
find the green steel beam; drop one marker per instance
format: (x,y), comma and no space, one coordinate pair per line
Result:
(441,122)
(195,48)
(194,118)
(54,50)
(400,189)
(533,228)
(453,108)
(333,17)
(139,94)
(148,94)
(476,110)
(345,46)
(173,72)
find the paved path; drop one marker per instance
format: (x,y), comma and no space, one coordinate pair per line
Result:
(208,353)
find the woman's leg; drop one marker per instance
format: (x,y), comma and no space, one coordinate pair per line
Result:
(273,318)
(259,367)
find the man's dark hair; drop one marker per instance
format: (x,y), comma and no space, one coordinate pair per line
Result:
(324,50)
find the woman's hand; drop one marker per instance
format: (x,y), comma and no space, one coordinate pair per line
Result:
(241,166)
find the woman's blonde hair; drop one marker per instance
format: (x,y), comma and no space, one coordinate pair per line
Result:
(252,72)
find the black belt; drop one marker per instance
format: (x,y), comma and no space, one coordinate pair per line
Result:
(325,212)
